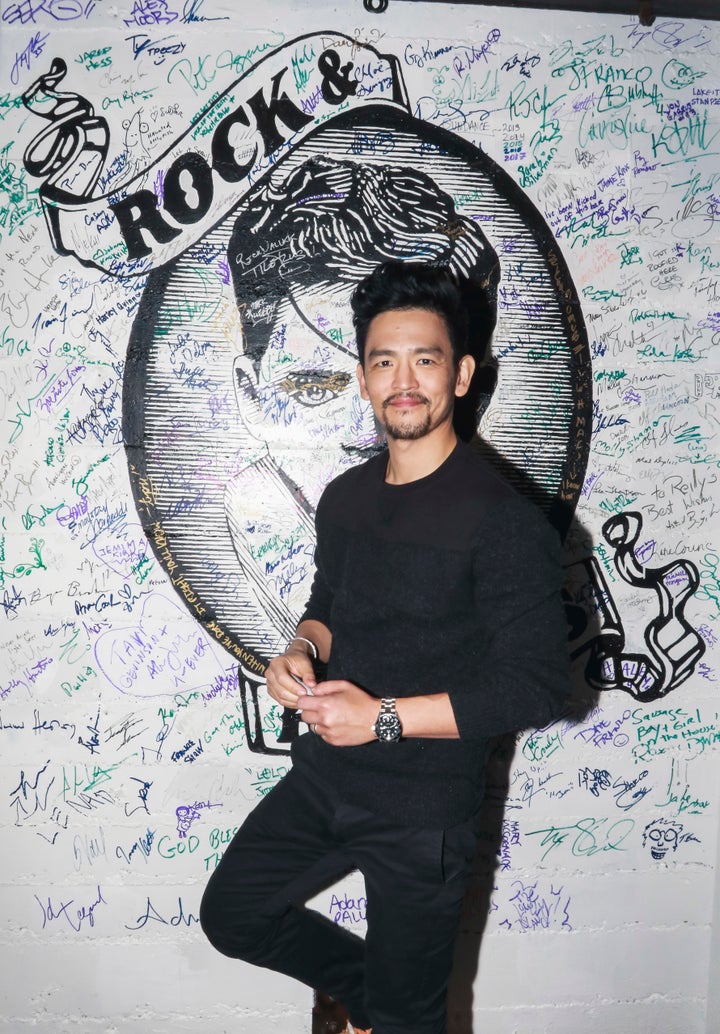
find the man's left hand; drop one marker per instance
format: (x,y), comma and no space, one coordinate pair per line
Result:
(340,712)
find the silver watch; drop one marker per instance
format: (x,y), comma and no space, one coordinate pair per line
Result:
(388,727)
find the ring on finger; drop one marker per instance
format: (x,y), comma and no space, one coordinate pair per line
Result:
(314,728)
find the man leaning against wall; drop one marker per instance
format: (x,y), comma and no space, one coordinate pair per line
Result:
(436,606)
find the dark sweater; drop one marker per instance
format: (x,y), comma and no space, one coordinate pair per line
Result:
(446,584)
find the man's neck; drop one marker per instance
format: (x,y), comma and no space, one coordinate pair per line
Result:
(416,458)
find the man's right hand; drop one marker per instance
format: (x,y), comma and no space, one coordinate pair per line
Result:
(282,687)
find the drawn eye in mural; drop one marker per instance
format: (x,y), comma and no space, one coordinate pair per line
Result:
(673,645)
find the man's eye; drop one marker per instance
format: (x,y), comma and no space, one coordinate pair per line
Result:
(313,389)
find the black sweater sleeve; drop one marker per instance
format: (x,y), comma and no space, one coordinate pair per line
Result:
(319,605)
(519,677)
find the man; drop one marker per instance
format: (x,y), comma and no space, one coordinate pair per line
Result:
(436,606)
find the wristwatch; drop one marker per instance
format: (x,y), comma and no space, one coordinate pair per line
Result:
(388,727)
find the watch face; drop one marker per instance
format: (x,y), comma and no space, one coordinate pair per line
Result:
(388,728)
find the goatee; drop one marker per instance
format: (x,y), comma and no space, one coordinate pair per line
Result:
(406,431)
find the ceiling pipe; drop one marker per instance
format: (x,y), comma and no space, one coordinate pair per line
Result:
(646,10)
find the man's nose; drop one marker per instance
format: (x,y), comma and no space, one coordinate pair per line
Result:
(405,376)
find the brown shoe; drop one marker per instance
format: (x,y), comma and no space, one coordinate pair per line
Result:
(329,1016)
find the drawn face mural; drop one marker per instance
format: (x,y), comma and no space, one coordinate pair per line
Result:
(306,423)
(305,385)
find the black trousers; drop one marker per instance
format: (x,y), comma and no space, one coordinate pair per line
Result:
(299,839)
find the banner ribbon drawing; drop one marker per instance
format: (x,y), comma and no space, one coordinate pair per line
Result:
(147,218)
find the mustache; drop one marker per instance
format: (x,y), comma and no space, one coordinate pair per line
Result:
(415,395)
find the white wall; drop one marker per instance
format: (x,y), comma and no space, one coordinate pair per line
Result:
(118,661)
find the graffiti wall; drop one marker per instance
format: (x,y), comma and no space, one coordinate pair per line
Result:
(188,196)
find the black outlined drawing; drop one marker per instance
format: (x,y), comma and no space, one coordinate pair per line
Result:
(664,836)
(69,154)
(673,645)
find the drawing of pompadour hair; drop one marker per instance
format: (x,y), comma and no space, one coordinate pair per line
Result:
(330,222)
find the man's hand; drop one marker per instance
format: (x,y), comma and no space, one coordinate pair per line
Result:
(282,687)
(340,712)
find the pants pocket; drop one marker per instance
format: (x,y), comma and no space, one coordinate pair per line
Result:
(459,845)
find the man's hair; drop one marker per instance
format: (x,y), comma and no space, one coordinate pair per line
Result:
(411,285)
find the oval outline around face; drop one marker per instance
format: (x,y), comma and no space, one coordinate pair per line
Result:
(185,443)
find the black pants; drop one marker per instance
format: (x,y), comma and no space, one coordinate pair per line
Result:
(300,838)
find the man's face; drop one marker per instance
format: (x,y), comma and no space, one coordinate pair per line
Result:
(409,374)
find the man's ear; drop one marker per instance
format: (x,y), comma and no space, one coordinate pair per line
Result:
(465,371)
(361,381)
